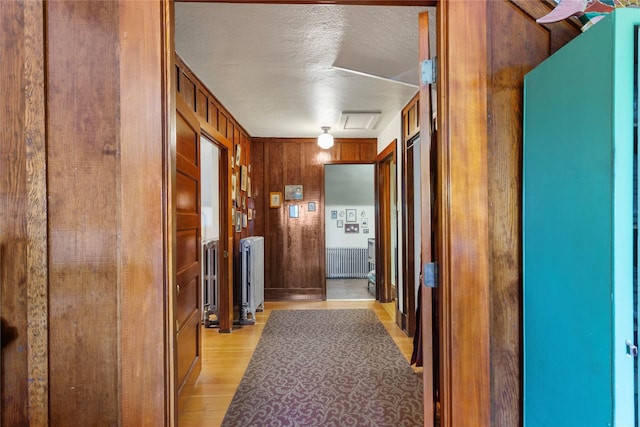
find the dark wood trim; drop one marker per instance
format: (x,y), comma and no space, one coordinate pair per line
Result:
(383,223)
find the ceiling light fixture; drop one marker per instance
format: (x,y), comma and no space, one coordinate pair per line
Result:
(325,140)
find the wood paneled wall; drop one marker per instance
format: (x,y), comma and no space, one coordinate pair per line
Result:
(294,247)
(81,213)
(209,110)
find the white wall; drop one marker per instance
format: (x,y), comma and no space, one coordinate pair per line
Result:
(210,203)
(349,187)
(336,236)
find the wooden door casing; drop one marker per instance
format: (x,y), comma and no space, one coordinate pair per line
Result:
(188,290)
(383,222)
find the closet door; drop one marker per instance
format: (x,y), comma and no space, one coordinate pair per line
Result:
(188,292)
(578,237)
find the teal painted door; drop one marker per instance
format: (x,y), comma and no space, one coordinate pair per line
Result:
(578,231)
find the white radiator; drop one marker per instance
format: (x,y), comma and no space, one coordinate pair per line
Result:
(347,263)
(210,288)
(252,278)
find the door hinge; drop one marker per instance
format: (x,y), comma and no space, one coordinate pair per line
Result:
(430,275)
(632,350)
(429,71)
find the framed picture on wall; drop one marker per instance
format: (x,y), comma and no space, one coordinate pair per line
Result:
(352,228)
(311,206)
(293,192)
(340,223)
(352,215)
(365,231)
(365,222)
(334,214)
(238,151)
(243,178)
(233,187)
(238,221)
(275,199)
(294,211)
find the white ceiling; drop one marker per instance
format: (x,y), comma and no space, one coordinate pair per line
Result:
(280,69)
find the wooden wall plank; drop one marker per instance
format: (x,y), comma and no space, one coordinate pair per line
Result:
(13,209)
(83,227)
(516,46)
(36,216)
(143,313)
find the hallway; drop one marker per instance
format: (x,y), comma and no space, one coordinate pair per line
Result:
(226,356)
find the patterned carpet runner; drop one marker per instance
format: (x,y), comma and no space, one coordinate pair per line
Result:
(326,368)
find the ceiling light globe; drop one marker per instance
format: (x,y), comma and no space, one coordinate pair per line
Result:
(325,140)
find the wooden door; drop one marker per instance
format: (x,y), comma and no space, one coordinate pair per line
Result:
(384,241)
(188,292)
(427,181)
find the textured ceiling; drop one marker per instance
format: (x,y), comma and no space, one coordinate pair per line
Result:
(281,70)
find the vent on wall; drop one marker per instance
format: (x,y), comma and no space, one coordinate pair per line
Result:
(359,120)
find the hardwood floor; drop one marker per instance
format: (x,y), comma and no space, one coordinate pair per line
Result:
(226,357)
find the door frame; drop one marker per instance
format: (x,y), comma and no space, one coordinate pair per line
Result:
(383,223)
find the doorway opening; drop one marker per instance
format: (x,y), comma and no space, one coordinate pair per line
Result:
(349,231)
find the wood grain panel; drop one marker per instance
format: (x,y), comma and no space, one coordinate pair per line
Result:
(187,248)
(349,151)
(83,147)
(213,115)
(275,217)
(222,124)
(517,45)
(188,302)
(260,196)
(13,208)
(202,104)
(186,146)
(187,90)
(186,193)
(144,136)
(188,355)
(462,131)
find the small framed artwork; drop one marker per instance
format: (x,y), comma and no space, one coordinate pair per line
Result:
(340,223)
(244,220)
(250,214)
(238,221)
(341,213)
(363,213)
(334,214)
(233,216)
(244,202)
(243,178)
(275,199)
(365,223)
(294,211)
(311,207)
(352,228)
(365,231)
(352,215)
(248,186)
(238,151)
(293,192)
(233,187)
